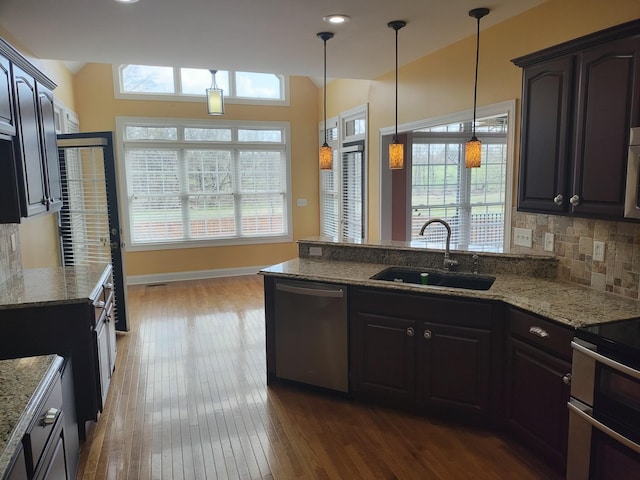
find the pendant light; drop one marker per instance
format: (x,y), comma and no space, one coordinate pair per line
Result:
(396,150)
(326,154)
(215,98)
(473,150)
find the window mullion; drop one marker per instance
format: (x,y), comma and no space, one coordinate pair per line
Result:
(184,193)
(464,234)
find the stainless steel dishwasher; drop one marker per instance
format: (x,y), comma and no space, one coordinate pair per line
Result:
(311,333)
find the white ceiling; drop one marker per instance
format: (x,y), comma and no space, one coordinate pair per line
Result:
(252,35)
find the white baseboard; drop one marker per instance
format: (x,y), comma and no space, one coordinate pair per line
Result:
(194,275)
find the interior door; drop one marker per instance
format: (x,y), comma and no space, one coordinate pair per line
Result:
(89,220)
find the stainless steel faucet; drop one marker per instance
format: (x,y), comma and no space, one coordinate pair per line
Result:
(448,263)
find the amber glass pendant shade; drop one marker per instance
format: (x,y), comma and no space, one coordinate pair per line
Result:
(326,157)
(473,153)
(396,156)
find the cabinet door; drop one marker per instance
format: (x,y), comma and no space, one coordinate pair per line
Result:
(18,471)
(608,106)
(386,358)
(538,392)
(27,146)
(7,121)
(545,135)
(102,351)
(50,148)
(455,367)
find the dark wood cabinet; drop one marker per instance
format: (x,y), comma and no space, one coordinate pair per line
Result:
(455,367)
(579,101)
(423,352)
(538,384)
(30,173)
(7,119)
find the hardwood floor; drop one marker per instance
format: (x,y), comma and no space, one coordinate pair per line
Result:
(189,401)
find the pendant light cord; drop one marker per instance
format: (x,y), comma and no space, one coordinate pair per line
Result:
(325,91)
(475,86)
(395,138)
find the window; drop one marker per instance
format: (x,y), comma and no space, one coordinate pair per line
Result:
(471,200)
(343,188)
(192,183)
(189,84)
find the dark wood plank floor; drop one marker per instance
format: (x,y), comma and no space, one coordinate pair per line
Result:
(189,401)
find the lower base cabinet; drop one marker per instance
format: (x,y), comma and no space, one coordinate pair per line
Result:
(423,352)
(538,384)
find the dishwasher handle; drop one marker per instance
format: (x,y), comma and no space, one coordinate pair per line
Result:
(314,292)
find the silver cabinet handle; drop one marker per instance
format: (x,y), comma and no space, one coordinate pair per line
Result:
(558,199)
(566,379)
(427,334)
(575,200)
(314,292)
(538,332)
(583,414)
(99,304)
(410,332)
(50,416)
(606,361)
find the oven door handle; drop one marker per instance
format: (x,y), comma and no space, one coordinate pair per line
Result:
(582,414)
(606,361)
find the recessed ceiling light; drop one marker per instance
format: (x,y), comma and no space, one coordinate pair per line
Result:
(336,19)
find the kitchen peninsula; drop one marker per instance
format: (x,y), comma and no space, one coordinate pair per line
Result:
(62,311)
(500,356)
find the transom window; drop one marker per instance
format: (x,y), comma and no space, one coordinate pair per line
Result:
(214,183)
(171,83)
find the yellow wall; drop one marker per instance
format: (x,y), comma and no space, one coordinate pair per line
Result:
(442,83)
(39,241)
(97,109)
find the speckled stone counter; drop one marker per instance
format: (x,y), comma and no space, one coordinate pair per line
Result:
(46,286)
(23,382)
(563,302)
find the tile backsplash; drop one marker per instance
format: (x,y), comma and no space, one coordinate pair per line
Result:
(10,261)
(573,246)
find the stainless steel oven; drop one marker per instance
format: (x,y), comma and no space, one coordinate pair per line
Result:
(632,192)
(604,409)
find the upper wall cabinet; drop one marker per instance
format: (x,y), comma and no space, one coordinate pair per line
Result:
(579,101)
(7,121)
(29,171)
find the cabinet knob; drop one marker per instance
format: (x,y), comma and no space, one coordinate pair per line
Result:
(575,200)
(427,334)
(558,199)
(410,331)
(566,379)
(50,416)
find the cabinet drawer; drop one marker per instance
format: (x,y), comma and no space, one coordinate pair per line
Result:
(542,333)
(43,425)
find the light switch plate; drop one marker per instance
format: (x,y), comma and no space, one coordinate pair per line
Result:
(598,251)
(301,202)
(548,242)
(522,237)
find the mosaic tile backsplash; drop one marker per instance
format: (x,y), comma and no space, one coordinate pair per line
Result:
(10,262)
(573,247)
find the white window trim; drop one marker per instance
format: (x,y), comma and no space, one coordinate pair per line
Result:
(183,97)
(508,107)
(123,191)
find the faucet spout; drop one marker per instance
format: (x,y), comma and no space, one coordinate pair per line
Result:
(447,261)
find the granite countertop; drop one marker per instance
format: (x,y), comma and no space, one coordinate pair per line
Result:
(23,382)
(566,303)
(46,286)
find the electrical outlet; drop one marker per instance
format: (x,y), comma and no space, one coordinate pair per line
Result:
(301,202)
(522,237)
(548,242)
(598,251)
(315,251)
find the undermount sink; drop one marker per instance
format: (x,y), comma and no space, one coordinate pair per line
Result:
(470,281)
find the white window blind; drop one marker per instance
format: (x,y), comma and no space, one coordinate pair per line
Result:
(203,183)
